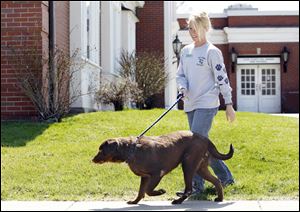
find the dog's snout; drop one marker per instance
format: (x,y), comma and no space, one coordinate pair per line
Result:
(98,158)
(95,160)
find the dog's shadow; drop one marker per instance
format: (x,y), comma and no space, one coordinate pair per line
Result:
(186,206)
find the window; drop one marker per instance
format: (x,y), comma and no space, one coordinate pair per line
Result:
(91,31)
(248,82)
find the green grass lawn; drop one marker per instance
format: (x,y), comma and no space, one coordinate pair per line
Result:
(41,161)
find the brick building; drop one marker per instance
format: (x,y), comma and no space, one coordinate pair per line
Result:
(252,43)
(106,27)
(260,78)
(99,29)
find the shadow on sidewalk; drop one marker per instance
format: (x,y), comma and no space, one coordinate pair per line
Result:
(187,205)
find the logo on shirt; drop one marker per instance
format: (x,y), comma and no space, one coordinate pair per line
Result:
(200,61)
(218,67)
(220,78)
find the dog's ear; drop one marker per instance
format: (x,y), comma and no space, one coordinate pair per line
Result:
(113,145)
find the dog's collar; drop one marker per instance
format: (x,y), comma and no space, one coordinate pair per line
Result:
(131,152)
(132,149)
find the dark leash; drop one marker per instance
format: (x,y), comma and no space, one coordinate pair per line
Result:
(179,96)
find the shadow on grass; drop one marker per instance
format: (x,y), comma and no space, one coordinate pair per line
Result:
(17,134)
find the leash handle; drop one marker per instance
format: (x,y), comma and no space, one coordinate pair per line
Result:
(179,96)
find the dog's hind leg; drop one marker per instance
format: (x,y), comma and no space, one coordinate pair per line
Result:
(153,182)
(205,173)
(143,186)
(188,173)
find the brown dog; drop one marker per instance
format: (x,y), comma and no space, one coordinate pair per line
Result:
(153,157)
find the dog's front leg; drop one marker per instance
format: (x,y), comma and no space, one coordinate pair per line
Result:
(153,182)
(141,195)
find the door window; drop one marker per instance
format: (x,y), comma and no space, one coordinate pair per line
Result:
(247,82)
(268,82)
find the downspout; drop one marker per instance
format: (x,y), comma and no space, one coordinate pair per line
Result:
(51,54)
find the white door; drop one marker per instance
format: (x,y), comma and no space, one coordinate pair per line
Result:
(258,88)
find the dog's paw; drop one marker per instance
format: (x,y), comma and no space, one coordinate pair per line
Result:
(218,199)
(176,201)
(162,191)
(132,202)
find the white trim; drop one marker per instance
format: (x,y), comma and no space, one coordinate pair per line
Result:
(258,60)
(245,13)
(217,15)
(255,35)
(261,13)
(247,35)
(217,36)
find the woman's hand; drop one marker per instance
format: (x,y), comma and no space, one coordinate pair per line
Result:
(183,91)
(230,113)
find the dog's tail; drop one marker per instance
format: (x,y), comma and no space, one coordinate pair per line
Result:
(213,150)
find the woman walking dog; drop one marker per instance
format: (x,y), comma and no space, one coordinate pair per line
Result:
(201,76)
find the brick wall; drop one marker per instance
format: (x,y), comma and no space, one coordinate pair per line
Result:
(232,76)
(182,22)
(263,21)
(150,28)
(219,23)
(150,34)
(27,20)
(22,24)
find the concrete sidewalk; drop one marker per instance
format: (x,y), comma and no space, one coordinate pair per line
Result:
(288,205)
(294,115)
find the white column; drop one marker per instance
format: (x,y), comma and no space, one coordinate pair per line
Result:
(106,37)
(76,42)
(94,31)
(110,36)
(170,28)
(117,34)
(128,31)
(88,76)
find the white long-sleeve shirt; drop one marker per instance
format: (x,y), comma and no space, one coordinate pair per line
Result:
(203,74)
